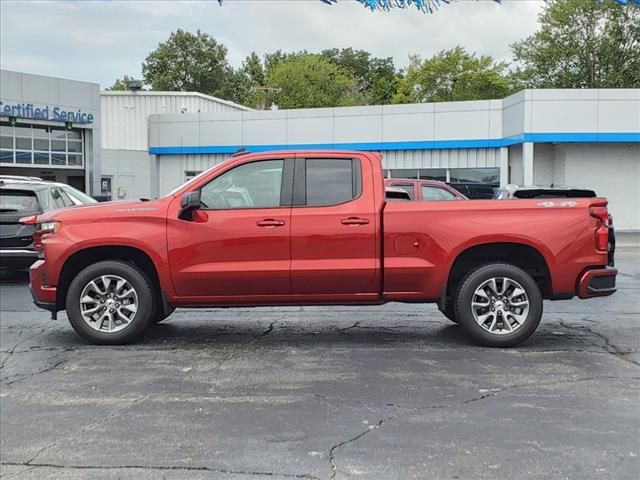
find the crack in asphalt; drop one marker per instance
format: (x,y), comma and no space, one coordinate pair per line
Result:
(268,330)
(162,468)
(608,346)
(19,378)
(332,458)
(13,349)
(342,330)
(492,392)
(89,427)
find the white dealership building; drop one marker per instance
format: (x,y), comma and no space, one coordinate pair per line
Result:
(143,144)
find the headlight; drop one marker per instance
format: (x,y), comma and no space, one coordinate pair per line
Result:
(49,227)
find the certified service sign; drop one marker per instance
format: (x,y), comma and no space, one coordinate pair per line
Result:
(44,112)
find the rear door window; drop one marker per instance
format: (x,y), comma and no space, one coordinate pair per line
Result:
(18,201)
(332,181)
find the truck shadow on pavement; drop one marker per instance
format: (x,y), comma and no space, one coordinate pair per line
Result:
(431,334)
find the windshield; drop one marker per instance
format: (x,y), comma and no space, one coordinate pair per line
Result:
(77,196)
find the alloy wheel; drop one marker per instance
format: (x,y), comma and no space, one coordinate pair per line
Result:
(108,303)
(500,305)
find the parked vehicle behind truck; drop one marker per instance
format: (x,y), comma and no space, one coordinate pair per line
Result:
(28,197)
(425,190)
(313,228)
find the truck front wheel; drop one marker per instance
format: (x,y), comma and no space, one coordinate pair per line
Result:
(499,305)
(110,303)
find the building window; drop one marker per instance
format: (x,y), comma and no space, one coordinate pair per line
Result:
(439,174)
(6,156)
(191,174)
(489,176)
(41,145)
(404,173)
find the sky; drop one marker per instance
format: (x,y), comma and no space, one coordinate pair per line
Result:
(99,41)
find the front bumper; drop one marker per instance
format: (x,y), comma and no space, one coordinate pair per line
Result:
(44,296)
(597,283)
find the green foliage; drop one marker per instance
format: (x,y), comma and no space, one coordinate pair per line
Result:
(308,80)
(376,76)
(187,62)
(581,44)
(121,84)
(453,75)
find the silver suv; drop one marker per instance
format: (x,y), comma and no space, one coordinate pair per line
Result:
(24,197)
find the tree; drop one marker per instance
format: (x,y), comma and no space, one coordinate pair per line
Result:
(308,80)
(376,76)
(188,63)
(582,44)
(121,84)
(453,75)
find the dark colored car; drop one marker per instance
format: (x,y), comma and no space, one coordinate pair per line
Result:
(24,197)
(474,191)
(515,191)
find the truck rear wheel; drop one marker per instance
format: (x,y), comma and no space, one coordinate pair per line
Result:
(499,305)
(110,303)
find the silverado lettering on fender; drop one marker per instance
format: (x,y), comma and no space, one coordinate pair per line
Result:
(313,228)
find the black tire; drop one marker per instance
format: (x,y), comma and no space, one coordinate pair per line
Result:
(159,316)
(140,320)
(466,294)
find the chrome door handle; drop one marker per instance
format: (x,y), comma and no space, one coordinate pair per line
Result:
(270,222)
(354,221)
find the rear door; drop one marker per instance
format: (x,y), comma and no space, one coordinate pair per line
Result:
(333,228)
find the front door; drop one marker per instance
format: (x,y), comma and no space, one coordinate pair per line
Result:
(334,228)
(238,243)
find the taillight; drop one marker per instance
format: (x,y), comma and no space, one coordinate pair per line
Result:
(32,220)
(602,232)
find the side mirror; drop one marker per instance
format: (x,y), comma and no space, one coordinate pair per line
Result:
(189,202)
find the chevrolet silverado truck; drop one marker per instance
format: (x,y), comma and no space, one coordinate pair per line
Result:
(313,228)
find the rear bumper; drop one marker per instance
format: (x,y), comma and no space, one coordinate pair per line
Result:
(44,296)
(597,283)
(17,257)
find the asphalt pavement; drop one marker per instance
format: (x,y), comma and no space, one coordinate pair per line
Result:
(392,392)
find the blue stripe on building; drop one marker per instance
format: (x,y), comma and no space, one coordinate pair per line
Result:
(613,137)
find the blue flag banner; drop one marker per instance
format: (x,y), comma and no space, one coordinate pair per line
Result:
(429,6)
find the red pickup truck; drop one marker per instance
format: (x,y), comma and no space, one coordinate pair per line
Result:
(313,228)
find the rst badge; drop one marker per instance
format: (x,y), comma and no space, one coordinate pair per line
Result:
(565,203)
